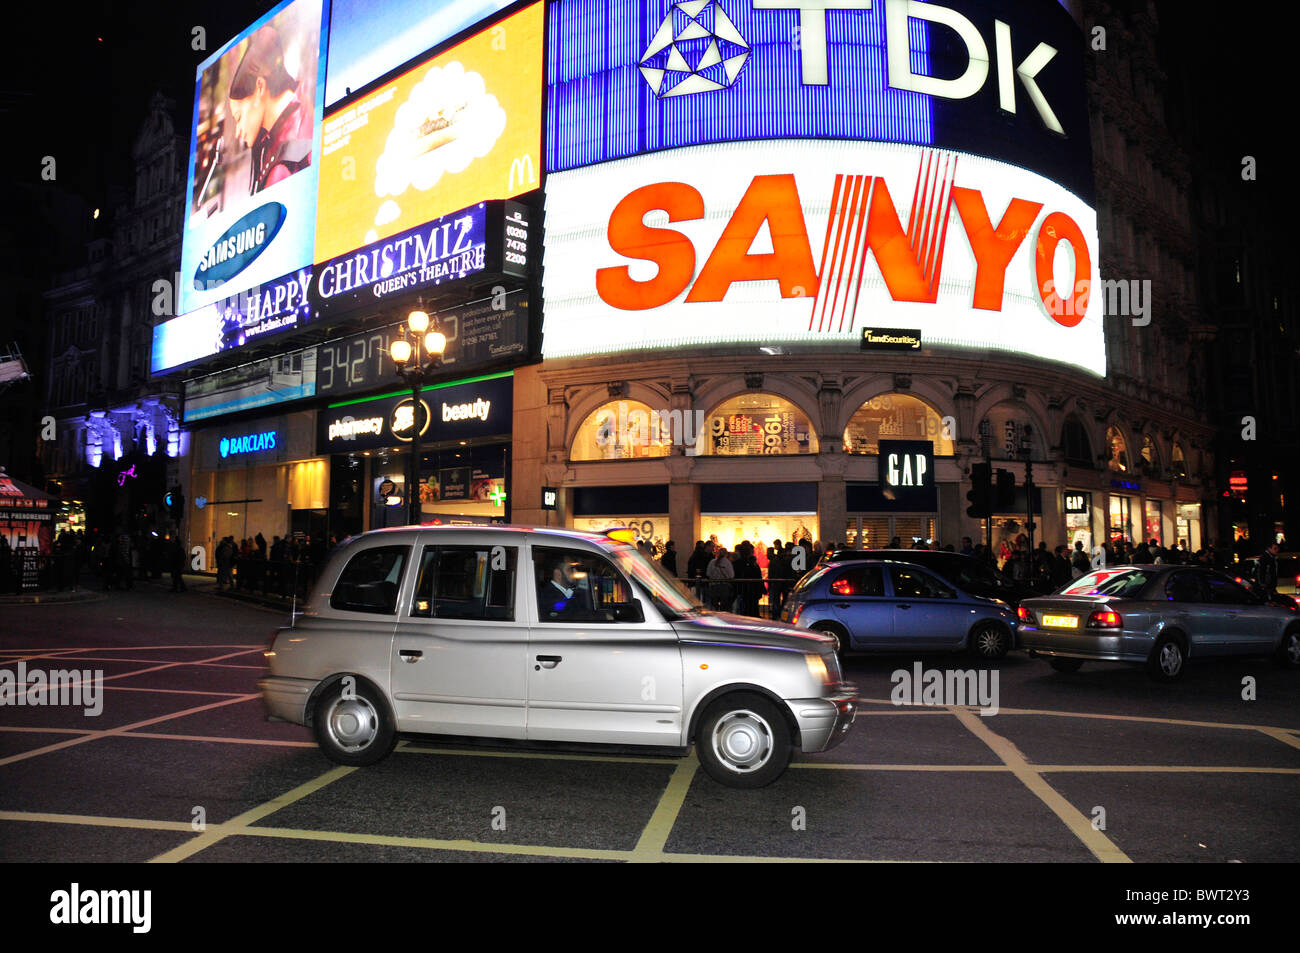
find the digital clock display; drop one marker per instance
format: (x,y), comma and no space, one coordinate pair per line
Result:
(490,331)
(356,363)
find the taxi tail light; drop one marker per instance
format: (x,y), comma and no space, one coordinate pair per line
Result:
(1026,616)
(1105,619)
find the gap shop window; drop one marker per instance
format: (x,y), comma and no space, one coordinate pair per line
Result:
(627,430)
(757,424)
(896,417)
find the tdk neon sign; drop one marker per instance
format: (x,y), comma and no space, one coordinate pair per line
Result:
(249,443)
(879,70)
(813,60)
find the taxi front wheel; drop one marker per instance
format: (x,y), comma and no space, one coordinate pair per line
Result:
(352,725)
(743,741)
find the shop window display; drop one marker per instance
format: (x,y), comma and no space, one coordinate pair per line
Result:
(896,417)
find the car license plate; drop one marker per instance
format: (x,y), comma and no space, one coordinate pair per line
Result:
(1061,621)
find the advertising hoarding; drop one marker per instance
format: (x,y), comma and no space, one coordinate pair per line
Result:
(254,147)
(263,383)
(369,38)
(812,240)
(998,78)
(462,127)
(231,322)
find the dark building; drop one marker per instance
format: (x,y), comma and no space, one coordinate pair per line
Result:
(118,441)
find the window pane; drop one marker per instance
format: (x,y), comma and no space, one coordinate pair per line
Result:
(466,582)
(895,417)
(1184,587)
(577,586)
(913,584)
(859,581)
(370,581)
(631,430)
(754,424)
(1226,592)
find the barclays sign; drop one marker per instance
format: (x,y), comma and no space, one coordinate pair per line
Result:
(247,443)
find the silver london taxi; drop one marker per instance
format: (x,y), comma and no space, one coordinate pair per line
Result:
(545,635)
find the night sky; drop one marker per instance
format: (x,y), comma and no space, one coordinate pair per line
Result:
(76,84)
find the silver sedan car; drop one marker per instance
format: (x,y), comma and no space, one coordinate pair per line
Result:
(545,635)
(1159,616)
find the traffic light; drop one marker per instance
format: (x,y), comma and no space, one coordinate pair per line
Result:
(1005,497)
(175,501)
(981,494)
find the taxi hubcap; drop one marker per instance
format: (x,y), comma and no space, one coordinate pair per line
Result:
(742,740)
(352,723)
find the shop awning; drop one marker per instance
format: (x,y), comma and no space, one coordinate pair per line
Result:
(15,493)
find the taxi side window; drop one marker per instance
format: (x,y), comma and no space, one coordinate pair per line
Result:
(466,582)
(370,581)
(577,586)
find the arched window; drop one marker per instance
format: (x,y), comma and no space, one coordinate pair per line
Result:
(897,417)
(1180,462)
(1075,443)
(1010,430)
(1150,457)
(1117,451)
(624,430)
(758,423)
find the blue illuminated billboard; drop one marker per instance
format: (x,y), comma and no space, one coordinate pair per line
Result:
(997,78)
(250,214)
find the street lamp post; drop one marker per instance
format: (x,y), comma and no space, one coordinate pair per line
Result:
(417,360)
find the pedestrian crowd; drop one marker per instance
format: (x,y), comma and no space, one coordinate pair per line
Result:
(285,566)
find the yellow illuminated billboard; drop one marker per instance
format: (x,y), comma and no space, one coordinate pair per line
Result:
(462,127)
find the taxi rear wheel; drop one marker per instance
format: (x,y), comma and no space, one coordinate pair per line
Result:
(352,725)
(743,741)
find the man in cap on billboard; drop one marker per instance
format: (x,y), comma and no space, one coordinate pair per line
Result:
(269,115)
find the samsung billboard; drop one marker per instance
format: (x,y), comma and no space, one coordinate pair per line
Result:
(250,213)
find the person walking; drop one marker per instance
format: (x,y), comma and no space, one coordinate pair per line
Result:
(1080,564)
(749,585)
(176,563)
(669,559)
(720,573)
(1266,572)
(697,568)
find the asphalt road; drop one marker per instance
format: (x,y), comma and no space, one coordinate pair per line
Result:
(180,765)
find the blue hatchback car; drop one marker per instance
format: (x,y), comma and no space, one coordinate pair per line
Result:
(885,605)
